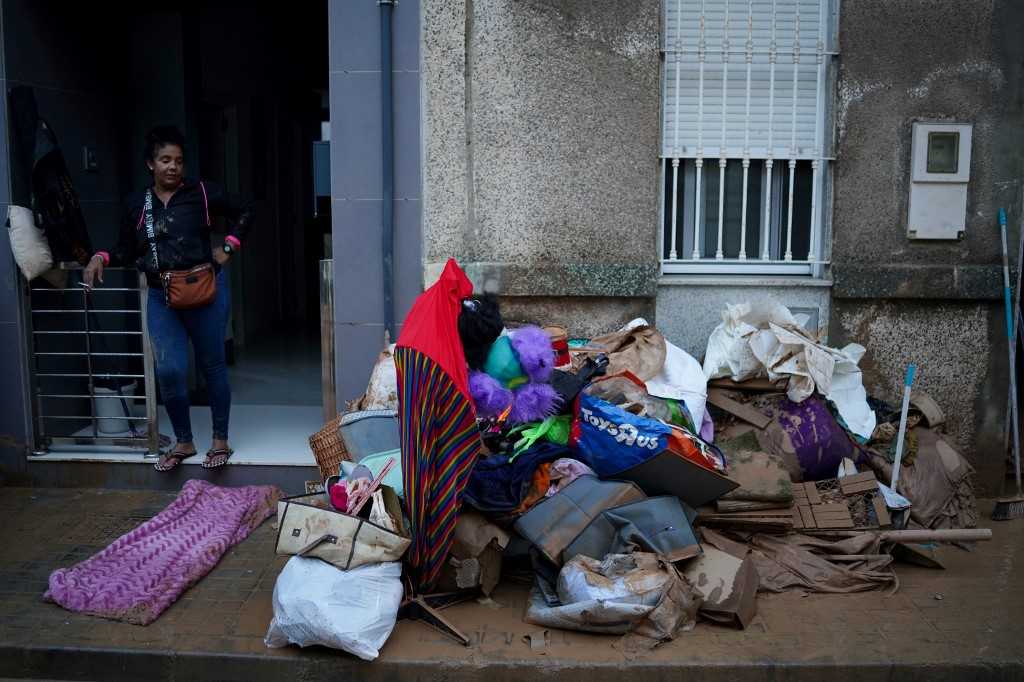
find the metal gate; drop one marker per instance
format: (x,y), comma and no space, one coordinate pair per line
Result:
(92,364)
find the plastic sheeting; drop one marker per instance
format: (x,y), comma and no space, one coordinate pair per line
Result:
(797,561)
(624,593)
(766,339)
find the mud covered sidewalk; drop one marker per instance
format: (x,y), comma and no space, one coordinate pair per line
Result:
(964,622)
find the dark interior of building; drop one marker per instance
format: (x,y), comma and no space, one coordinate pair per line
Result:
(248,85)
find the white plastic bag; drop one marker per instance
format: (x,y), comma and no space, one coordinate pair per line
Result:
(625,593)
(682,378)
(316,603)
(28,243)
(730,347)
(766,339)
(627,578)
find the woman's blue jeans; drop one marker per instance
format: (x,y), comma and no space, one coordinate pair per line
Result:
(169,332)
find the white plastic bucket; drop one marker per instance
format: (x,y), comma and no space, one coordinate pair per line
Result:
(110,412)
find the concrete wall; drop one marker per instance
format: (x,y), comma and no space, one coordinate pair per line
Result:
(356,192)
(541,123)
(689,308)
(934,303)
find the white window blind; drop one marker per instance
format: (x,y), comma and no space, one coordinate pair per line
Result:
(743,116)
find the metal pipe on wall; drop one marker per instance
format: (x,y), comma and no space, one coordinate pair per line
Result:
(387,165)
(327,375)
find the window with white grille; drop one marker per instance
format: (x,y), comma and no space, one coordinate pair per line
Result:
(744,144)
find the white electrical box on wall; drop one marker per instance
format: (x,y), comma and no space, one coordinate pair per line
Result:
(940,169)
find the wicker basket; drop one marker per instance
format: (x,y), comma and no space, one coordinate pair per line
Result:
(328,449)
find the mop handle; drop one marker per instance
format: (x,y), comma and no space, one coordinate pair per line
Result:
(1011,347)
(1007,297)
(903,425)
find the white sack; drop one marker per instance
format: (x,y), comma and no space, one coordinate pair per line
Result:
(682,378)
(729,352)
(625,593)
(603,617)
(28,243)
(316,603)
(619,577)
(382,391)
(812,366)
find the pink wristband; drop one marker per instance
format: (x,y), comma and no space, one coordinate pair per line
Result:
(233,240)
(104,255)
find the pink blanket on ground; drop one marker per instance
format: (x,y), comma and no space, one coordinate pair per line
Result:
(144,571)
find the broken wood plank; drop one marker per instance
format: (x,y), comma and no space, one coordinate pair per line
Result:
(881,511)
(757,514)
(832,516)
(807,517)
(721,399)
(834,523)
(811,492)
(757,385)
(729,506)
(858,483)
(779,524)
(835,516)
(921,535)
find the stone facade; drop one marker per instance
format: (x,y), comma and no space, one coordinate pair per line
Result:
(541,141)
(540,162)
(938,304)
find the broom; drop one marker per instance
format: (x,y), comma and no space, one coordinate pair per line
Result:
(1010,507)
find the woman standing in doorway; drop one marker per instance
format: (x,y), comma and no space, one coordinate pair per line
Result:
(167,228)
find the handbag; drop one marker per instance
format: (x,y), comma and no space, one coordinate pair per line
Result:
(308,526)
(183,289)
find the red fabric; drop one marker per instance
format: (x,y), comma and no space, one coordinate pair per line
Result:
(432,326)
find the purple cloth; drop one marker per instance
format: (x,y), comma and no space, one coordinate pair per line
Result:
(819,442)
(144,571)
(707,427)
(564,471)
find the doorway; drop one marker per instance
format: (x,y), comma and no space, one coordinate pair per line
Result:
(260,77)
(248,84)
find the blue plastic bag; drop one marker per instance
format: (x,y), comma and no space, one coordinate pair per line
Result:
(611,440)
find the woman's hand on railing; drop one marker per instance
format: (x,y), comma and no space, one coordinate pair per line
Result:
(93,271)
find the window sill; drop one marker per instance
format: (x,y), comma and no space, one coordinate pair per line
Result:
(741,281)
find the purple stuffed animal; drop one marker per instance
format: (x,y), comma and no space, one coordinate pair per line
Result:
(531,402)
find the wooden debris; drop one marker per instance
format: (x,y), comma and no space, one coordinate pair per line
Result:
(755,385)
(729,506)
(720,398)
(848,503)
(768,520)
(858,483)
(918,535)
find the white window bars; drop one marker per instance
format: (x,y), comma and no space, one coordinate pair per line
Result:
(743,93)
